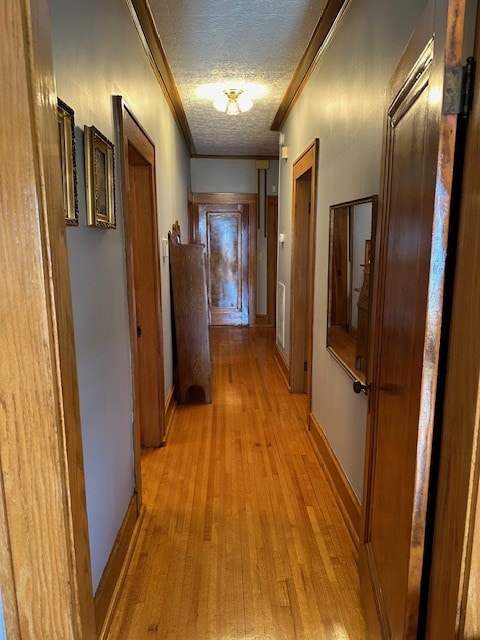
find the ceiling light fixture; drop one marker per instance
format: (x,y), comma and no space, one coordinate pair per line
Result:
(233,102)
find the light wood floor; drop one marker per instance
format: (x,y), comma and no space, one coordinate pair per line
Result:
(242,538)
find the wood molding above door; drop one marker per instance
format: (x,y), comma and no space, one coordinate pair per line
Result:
(246,202)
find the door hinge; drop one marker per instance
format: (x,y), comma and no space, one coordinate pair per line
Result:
(458,89)
(305,366)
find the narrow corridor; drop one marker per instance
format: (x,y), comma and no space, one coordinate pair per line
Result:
(242,537)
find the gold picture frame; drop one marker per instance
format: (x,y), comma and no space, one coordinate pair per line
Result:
(66,133)
(99,178)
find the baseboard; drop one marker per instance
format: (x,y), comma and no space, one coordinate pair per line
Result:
(282,365)
(170,408)
(347,501)
(115,572)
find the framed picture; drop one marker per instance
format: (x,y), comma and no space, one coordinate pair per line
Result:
(66,133)
(99,176)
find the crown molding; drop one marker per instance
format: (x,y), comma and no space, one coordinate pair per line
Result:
(332,13)
(145,24)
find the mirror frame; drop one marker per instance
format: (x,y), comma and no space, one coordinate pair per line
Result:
(355,374)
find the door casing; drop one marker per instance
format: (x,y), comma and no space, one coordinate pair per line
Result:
(248,200)
(304,208)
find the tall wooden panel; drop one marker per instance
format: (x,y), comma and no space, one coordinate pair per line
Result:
(187,271)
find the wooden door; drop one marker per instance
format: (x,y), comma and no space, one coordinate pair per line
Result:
(143,268)
(303,261)
(407,320)
(225,235)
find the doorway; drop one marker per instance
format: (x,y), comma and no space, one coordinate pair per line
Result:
(144,288)
(225,223)
(409,278)
(303,263)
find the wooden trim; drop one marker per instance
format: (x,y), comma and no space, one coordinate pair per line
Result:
(272,251)
(207,156)
(347,501)
(262,320)
(130,131)
(49,588)
(301,322)
(304,68)
(454,597)
(116,569)
(170,408)
(282,365)
(224,198)
(145,25)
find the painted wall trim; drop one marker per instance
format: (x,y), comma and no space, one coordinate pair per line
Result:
(116,569)
(347,501)
(333,11)
(145,25)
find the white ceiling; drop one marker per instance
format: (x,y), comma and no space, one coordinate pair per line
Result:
(229,41)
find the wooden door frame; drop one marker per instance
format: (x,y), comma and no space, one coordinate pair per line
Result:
(307,161)
(250,200)
(272,253)
(453,597)
(42,486)
(132,133)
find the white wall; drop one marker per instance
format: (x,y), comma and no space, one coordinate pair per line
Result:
(211,175)
(98,54)
(342,105)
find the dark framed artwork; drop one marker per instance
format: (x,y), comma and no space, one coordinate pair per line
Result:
(66,133)
(100,181)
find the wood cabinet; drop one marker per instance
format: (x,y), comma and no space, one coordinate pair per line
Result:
(189,289)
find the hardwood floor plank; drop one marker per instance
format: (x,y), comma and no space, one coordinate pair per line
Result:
(242,538)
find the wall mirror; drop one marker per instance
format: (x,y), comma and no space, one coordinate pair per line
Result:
(352,234)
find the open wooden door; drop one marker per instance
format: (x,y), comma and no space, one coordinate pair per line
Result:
(412,233)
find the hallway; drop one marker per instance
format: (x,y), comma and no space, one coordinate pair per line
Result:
(242,537)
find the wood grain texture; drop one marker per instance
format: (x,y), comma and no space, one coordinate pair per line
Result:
(198,233)
(242,537)
(304,208)
(40,440)
(408,294)
(454,595)
(187,271)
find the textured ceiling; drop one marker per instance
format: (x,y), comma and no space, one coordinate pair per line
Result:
(230,41)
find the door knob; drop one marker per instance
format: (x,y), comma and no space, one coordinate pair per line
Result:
(358,386)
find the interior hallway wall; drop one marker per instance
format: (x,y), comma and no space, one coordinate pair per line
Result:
(342,104)
(212,175)
(98,54)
